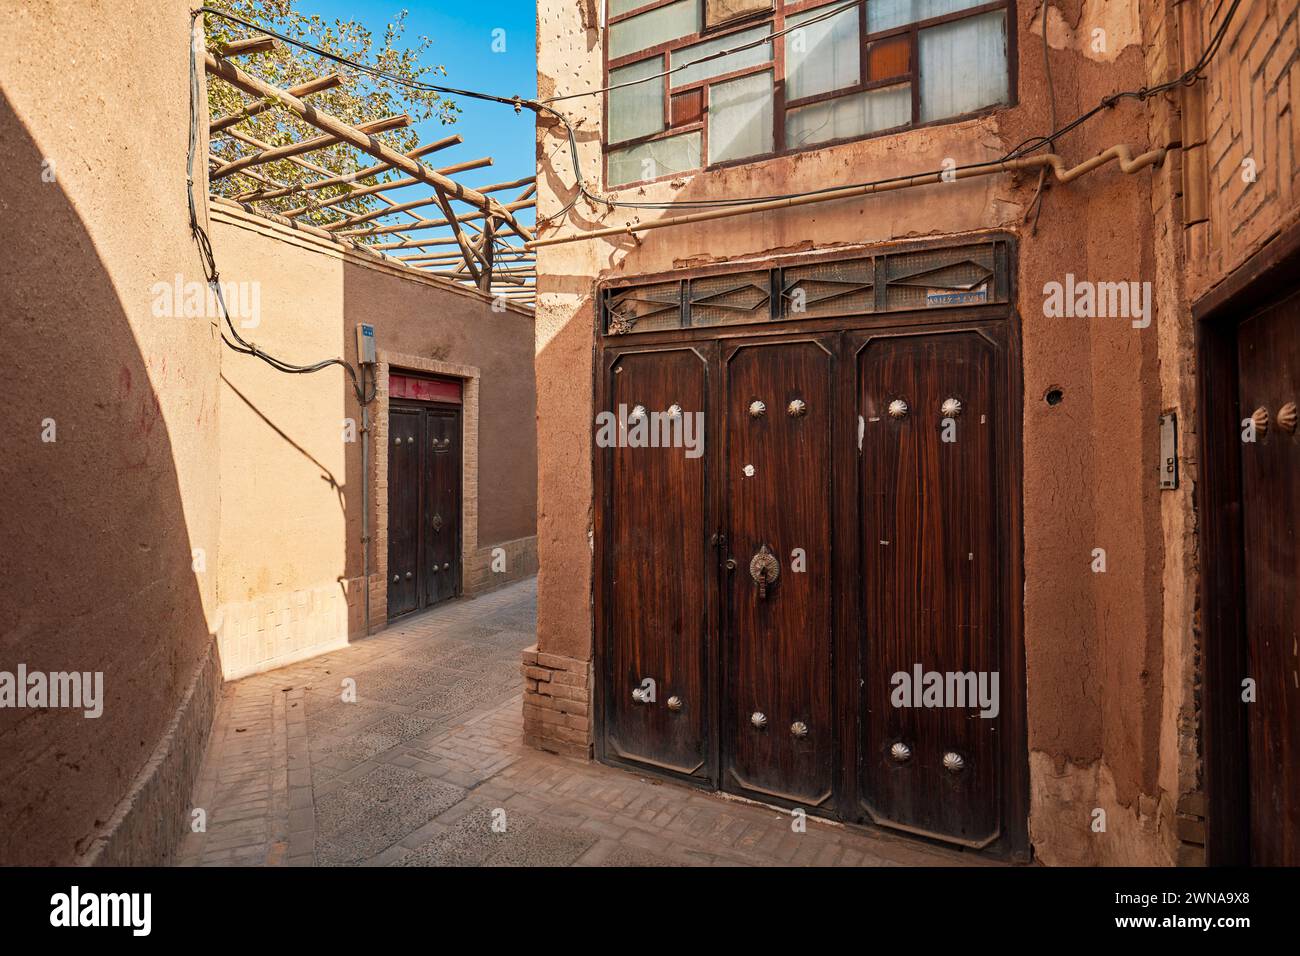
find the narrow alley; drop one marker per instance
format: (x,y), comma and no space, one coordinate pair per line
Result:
(428,768)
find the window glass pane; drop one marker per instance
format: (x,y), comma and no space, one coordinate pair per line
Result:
(887,14)
(740,118)
(821,56)
(619,7)
(658,26)
(963,66)
(636,110)
(720,11)
(723,64)
(857,114)
(662,157)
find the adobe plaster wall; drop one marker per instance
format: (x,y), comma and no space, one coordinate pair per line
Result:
(291,571)
(101,524)
(1093,641)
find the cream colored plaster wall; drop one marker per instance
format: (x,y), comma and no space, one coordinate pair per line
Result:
(292,571)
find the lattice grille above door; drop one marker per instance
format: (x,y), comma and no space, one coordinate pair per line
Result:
(911,278)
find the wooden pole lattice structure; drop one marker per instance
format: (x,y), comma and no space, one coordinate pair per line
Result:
(485,244)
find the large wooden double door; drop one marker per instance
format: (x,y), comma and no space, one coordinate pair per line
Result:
(848,519)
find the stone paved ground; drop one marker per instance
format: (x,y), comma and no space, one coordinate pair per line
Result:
(418,770)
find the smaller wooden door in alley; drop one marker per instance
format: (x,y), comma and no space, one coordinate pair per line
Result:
(424,474)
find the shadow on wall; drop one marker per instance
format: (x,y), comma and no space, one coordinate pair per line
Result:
(326,475)
(95,553)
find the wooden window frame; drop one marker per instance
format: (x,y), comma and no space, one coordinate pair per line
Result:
(776,18)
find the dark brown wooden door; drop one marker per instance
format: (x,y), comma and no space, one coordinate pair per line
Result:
(929,572)
(441,511)
(423,506)
(658,568)
(828,545)
(1268,355)
(405,426)
(777,729)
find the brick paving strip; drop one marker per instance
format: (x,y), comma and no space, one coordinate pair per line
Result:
(428,768)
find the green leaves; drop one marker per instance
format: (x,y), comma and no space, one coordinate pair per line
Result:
(358,99)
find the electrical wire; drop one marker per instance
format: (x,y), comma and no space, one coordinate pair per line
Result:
(240,344)
(1027,146)
(1036,204)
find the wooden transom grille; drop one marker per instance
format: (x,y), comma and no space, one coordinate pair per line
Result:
(942,277)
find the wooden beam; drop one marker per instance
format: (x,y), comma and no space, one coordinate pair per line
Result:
(261,106)
(436,223)
(466,166)
(268,181)
(461,275)
(514,184)
(368,144)
(445,204)
(415,203)
(299,226)
(246,46)
(305,146)
(453,256)
(485,253)
(297,161)
(347,179)
(448,241)
(367,191)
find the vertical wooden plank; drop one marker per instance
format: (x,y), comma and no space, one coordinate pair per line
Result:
(403,509)
(777,478)
(930,571)
(658,565)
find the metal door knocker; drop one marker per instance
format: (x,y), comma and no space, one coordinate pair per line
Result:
(437,522)
(1286,418)
(764,569)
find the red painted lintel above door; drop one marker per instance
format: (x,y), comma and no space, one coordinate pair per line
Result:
(424,389)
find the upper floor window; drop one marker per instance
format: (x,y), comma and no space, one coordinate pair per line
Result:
(835,71)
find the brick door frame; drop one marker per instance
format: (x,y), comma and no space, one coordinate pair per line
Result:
(469,376)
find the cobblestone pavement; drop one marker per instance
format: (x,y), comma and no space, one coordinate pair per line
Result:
(428,763)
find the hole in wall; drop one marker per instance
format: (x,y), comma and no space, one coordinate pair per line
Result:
(1054,396)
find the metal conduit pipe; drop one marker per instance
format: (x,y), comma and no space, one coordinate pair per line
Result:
(1124,153)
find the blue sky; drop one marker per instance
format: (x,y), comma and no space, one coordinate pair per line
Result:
(462,34)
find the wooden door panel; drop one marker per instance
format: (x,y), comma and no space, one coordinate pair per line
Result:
(441,504)
(929,573)
(1268,355)
(776,477)
(405,428)
(659,568)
